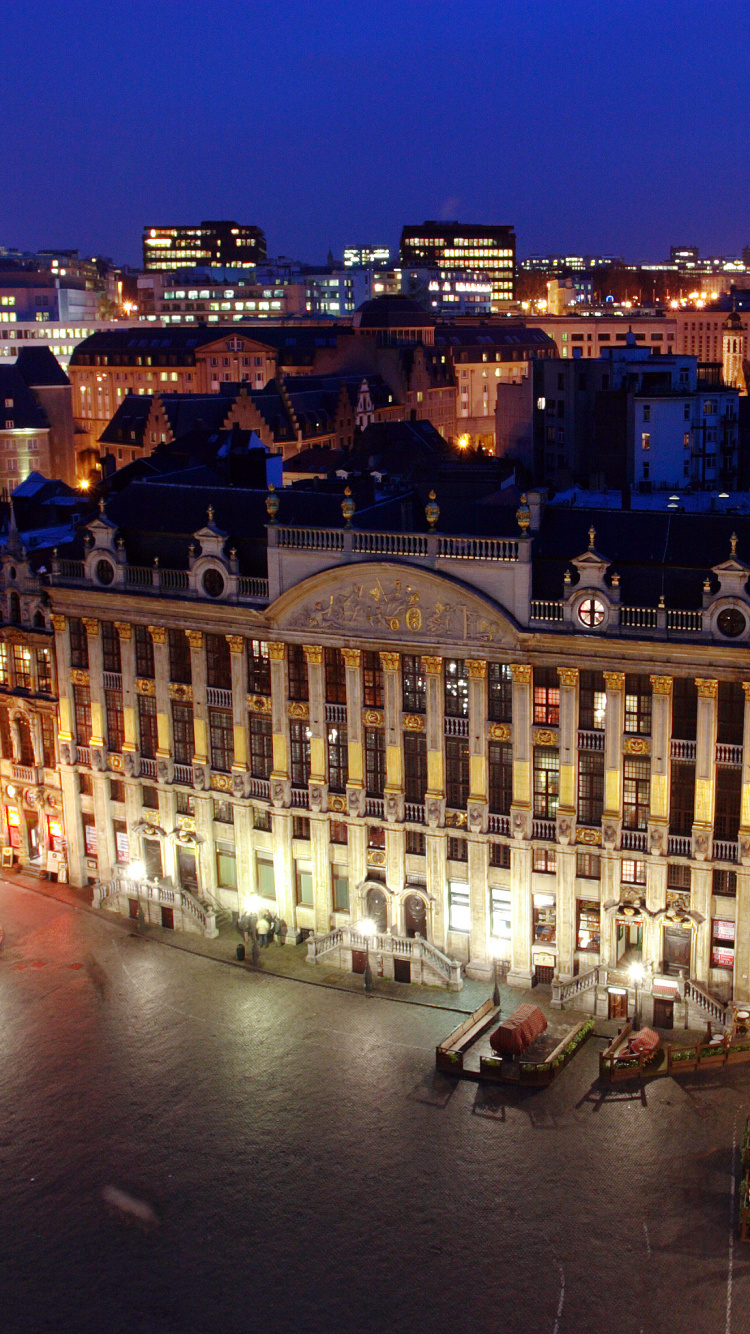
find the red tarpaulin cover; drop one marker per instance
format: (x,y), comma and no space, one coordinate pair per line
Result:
(515,1033)
(644,1042)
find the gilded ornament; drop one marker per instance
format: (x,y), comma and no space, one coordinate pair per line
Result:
(236,643)
(195,638)
(276,651)
(298,709)
(413,722)
(79,676)
(158,633)
(313,653)
(455,819)
(614,680)
(545,736)
(706,688)
(124,629)
(746,687)
(498,732)
(337,804)
(592,837)
(115,762)
(390,661)
(144,686)
(221,783)
(636,745)
(352,657)
(522,673)
(372,717)
(433,666)
(178,691)
(91,625)
(259,703)
(568,676)
(476,669)
(414,619)
(186,822)
(58,622)
(661,685)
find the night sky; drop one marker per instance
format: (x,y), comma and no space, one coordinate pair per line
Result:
(616,127)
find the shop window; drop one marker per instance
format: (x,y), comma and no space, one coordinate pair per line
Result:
(82,712)
(544,860)
(150,798)
(297,672)
(728,796)
(459,907)
(335,677)
(147,726)
(339,832)
(413,684)
(375,836)
(265,877)
(546,781)
(638,704)
(374,761)
(546,696)
(731,712)
(299,740)
(545,918)
(261,819)
(111,658)
(500,911)
(684,708)
(588,930)
(415,766)
(678,877)
(500,765)
(456,772)
(458,850)
(261,745)
(636,793)
(632,872)
(722,943)
(221,739)
(258,667)
(226,866)
(590,787)
(500,692)
(592,701)
(588,865)
(218,662)
(44,671)
(300,827)
(340,891)
(185,804)
(682,798)
(724,883)
(223,811)
(144,653)
(116,789)
(415,842)
(304,885)
(500,855)
(180,663)
(79,644)
(456,683)
(338,758)
(372,680)
(183,735)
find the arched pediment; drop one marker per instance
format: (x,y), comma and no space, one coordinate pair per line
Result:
(397,602)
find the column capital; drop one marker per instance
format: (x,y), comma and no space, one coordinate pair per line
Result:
(568,676)
(352,657)
(746,688)
(432,666)
(236,643)
(158,633)
(58,622)
(391,661)
(614,680)
(276,650)
(476,669)
(91,625)
(707,688)
(313,653)
(662,685)
(124,629)
(522,673)
(195,638)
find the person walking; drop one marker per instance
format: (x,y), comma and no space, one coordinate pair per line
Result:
(263,927)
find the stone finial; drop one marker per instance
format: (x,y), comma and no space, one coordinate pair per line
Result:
(662,603)
(101,505)
(432,511)
(348,506)
(592,537)
(615,581)
(733,543)
(523,515)
(567,578)
(706,585)
(210,514)
(272,503)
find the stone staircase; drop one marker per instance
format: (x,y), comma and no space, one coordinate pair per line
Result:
(428,965)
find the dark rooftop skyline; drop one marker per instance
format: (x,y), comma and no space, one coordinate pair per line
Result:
(614,129)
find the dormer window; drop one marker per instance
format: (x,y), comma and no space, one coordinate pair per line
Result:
(731,623)
(591,613)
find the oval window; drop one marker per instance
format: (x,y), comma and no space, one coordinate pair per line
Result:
(104,572)
(213,583)
(731,622)
(591,612)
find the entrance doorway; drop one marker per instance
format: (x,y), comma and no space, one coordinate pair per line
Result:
(402,970)
(186,868)
(376,908)
(544,974)
(359,961)
(167,918)
(415,916)
(618,1005)
(663,1013)
(677,941)
(629,942)
(133,909)
(32,829)
(152,858)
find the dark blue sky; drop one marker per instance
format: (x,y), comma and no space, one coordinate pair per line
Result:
(616,127)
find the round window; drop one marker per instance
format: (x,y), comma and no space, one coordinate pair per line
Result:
(731,622)
(104,572)
(591,612)
(213,583)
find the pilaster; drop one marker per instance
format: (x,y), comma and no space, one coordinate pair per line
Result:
(355,784)
(238,658)
(65,688)
(478,767)
(318,728)
(521,808)
(281,787)
(434,729)
(96,684)
(741,990)
(610,891)
(656,900)
(243,851)
(661,768)
(164,766)
(321,873)
(480,963)
(705,769)
(283,868)
(104,837)
(613,726)
(745,803)
(394,755)
(127,665)
(520,974)
(200,704)
(436,866)
(700,902)
(566,911)
(567,806)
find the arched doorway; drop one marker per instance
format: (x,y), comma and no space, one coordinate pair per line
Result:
(377,908)
(415,916)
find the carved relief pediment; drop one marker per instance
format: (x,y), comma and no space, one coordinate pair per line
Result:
(393,602)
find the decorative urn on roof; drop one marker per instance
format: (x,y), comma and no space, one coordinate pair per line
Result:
(432,511)
(272,503)
(348,506)
(523,515)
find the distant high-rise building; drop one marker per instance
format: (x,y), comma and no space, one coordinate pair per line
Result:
(367,256)
(462,245)
(218,244)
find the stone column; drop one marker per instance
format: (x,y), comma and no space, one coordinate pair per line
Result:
(164,763)
(478,807)
(394,754)
(520,974)
(127,663)
(434,727)
(661,768)
(744,848)
(239,713)
(613,725)
(201,758)
(741,989)
(357,869)
(243,851)
(205,849)
(480,963)
(96,685)
(610,892)
(521,811)
(700,902)
(281,784)
(104,837)
(705,768)
(436,866)
(355,783)
(283,869)
(566,911)
(71,803)
(318,784)
(567,809)
(65,689)
(321,873)
(656,899)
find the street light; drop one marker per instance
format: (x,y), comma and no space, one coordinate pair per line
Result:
(636,973)
(367,929)
(495,952)
(136,871)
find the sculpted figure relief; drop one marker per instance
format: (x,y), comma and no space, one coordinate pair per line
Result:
(396,606)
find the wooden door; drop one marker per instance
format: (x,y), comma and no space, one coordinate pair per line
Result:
(415,916)
(133,908)
(663,1013)
(618,1005)
(167,918)
(152,858)
(359,961)
(677,942)
(186,868)
(376,909)
(402,970)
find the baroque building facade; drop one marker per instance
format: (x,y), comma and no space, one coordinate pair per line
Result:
(393,726)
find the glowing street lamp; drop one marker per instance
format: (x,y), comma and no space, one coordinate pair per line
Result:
(636,973)
(367,929)
(136,871)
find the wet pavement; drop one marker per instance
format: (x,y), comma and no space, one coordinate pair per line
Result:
(310,1171)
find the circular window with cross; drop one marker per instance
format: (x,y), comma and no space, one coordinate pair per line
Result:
(591,613)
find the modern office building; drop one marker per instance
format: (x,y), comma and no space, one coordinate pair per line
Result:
(454,245)
(219,244)
(367,256)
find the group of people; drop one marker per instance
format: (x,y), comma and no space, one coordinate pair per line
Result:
(263,927)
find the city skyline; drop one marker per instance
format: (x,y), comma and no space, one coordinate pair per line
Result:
(577,150)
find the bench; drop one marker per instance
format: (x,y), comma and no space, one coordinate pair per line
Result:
(449,1054)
